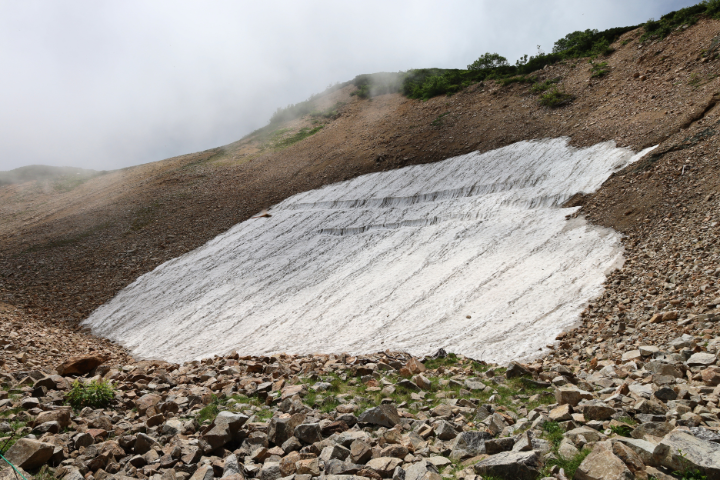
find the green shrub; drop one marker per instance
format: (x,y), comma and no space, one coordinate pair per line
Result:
(96,394)
(541,87)
(554,98)
(599,69)
(488,61)
(363,91)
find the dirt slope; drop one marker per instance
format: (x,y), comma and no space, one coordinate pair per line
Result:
(64,250)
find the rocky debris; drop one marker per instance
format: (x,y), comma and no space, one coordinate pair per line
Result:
(338,416)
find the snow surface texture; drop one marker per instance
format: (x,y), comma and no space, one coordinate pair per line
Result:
(472,254)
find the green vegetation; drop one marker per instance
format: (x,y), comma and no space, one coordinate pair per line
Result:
(451,359)
(659,29)
(622,430)
(554,434)
(438,122)
(302,134)
(96,394)
(554,98)
(541,87)
(688,472)
(209,411)
(599,69)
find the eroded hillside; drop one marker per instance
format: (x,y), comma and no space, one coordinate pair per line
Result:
(65,251)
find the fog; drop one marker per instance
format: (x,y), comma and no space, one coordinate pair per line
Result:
(104,85)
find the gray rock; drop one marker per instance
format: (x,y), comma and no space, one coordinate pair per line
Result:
(649,453)
(338,467)
(383,416)
(515,370)
(270,471)
(661,368)
(705,434)
(602,464)
(515,465)
(665,394)
(686,450)
(596,410)
(701,359)
(172,427)
(29,454)
(497,445)
(308,432)
(384,465)
(231,467)
(418,470)
(143,443)
(334,452)
(280,429)
(656,429)
(444,431)
(474,385)
(571,395)
(469,444)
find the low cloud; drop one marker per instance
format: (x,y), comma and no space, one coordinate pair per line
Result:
(106,85)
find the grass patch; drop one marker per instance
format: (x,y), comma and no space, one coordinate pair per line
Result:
(570,465)
(280,141)
(554,98)
(450,359)
(209,411)
(517,79)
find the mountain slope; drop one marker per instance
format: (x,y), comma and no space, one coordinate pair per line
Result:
(64,253)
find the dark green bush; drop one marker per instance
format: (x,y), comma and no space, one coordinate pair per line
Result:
(96,394)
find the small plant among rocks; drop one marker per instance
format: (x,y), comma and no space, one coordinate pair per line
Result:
(95,394)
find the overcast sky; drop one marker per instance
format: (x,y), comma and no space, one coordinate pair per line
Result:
(109,84)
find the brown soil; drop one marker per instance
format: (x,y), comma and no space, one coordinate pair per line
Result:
(65,250)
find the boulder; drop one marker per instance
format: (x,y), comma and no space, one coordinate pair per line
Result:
(571,395)
(9,474)
(686,451)
(384,465)
(444,431)
(515,465)
(29,454)
(656,429)
(61,415)
(384,416)
(282,428)
(420,470)
(701,359)
(649,453)
(146,401)
(603,464)
(561,413)
(143,443)
(515,370)
(80,365)
(711,376)
(469,444)
(596,410)
(498,445)
(308,432)
(203,473)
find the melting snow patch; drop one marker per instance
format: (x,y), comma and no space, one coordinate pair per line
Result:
(472,254)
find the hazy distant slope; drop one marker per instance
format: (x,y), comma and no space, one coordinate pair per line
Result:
(43,172)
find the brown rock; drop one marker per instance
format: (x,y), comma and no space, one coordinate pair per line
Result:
(29,454)
(80,365)
(711,376)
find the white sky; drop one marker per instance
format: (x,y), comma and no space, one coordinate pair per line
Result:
(108,84)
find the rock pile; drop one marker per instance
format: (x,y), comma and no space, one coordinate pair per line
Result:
(387,415)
